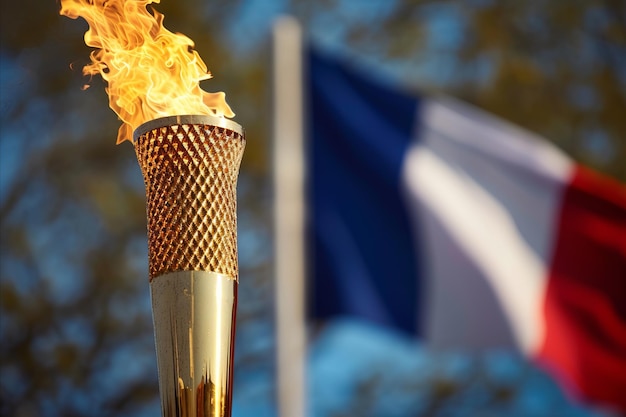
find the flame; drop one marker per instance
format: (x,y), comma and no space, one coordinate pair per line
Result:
(150,71)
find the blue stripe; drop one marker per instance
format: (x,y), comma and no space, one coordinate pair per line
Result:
(364,257)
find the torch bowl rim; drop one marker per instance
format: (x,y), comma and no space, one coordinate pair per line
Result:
(192,119)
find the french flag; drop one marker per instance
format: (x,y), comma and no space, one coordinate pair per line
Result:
(431,216)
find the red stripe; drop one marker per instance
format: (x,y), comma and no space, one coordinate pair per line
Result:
(585,305)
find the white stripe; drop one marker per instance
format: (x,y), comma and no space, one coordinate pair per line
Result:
(488,194)
(482,132)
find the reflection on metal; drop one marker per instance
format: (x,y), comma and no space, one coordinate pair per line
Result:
(194,325)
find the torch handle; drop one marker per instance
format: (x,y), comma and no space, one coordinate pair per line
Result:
(194,324)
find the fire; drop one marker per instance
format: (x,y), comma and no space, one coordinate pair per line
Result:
(150,71)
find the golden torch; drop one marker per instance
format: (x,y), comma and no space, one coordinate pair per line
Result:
(189,154)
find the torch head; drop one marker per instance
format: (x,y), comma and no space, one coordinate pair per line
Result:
(190,166)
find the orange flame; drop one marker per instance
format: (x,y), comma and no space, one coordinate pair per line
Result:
(150,71)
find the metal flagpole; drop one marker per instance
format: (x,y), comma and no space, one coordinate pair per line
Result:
(288,163)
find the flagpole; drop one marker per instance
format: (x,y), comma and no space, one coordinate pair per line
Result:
(288,162)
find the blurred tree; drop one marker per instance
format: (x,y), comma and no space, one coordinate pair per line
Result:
(75,327)
(555,68)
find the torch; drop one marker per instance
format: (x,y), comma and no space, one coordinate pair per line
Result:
(190,166)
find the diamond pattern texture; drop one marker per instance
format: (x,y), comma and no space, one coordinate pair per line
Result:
(190,172)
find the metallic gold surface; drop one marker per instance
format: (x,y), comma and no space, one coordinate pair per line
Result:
(194,325)
(190,168)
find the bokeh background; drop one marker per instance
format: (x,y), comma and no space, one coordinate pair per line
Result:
(75,321)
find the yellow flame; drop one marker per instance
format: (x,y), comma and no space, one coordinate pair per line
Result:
(150,71)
